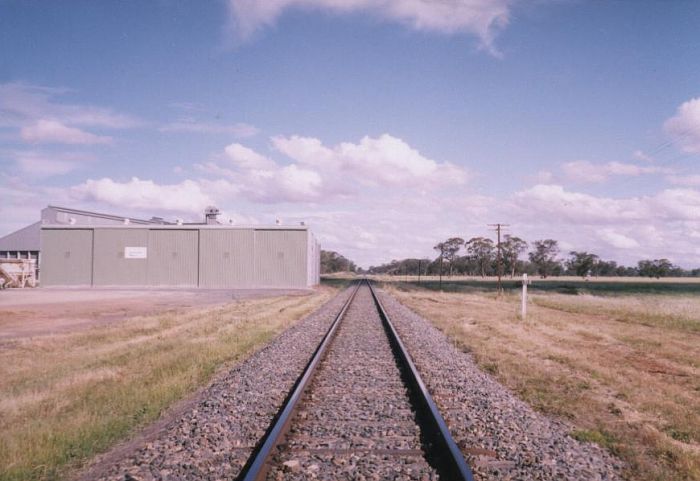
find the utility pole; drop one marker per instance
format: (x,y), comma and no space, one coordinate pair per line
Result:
(441,270)
(497,228)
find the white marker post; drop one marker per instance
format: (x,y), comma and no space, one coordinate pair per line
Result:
(523,305)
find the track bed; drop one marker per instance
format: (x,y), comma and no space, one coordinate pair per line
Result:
(356,419)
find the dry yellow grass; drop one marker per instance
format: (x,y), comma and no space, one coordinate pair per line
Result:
(623,371)
(64,398)
(592,280)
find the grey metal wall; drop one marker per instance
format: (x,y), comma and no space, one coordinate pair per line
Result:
(216,257)
(66,257)
(280,258)
(313,261)
(226,258)
(110,268)
(173,257)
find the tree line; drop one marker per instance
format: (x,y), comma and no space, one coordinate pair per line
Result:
(480,256)
(332,262)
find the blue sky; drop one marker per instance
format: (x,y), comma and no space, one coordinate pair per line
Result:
(386,125)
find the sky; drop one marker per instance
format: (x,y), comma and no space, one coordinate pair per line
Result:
(385,125)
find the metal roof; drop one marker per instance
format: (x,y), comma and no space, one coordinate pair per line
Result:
(26,239)
(178,227)
(100,215)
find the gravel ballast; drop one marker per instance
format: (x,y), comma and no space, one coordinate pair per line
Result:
(213,438)
(355,418)
(502,437)
(355,421)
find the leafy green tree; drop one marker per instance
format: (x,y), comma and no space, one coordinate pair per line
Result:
(482,251)
(402,267)
(441,248)
(452,247)
(332,262)
(656,268)
(581,263)
(512,247)
(544,256)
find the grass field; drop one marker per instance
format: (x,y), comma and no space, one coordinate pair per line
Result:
(565,285)
(64,398)
(622,369)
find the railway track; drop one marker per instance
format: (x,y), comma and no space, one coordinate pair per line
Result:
(359,410)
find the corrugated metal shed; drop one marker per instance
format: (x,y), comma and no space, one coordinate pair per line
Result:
(211,256)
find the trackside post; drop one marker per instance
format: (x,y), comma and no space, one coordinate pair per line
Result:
(523,303)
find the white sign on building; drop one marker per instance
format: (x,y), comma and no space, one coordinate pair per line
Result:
(135,252)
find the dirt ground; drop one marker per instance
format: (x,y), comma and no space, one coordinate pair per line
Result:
(67,396)
(39,312)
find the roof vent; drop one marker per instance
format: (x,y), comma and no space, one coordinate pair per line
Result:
(210,214)
(72,221)
(277,221)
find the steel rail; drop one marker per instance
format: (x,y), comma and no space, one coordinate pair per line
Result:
(446,456)
(258,464)
(442,451)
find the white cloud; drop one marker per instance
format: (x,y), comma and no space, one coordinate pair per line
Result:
(188,196)
(240,129)
(384,160)
(53,131)
(38,116)
(482,18)
(617,240)
(42,164)
(677,204)
(21,102)
(687,180)
(299,182)
(248,159)
(389,160)
(306,150)
(552,203)
(684,127)
(627,229)
(585,171)
(321,173)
